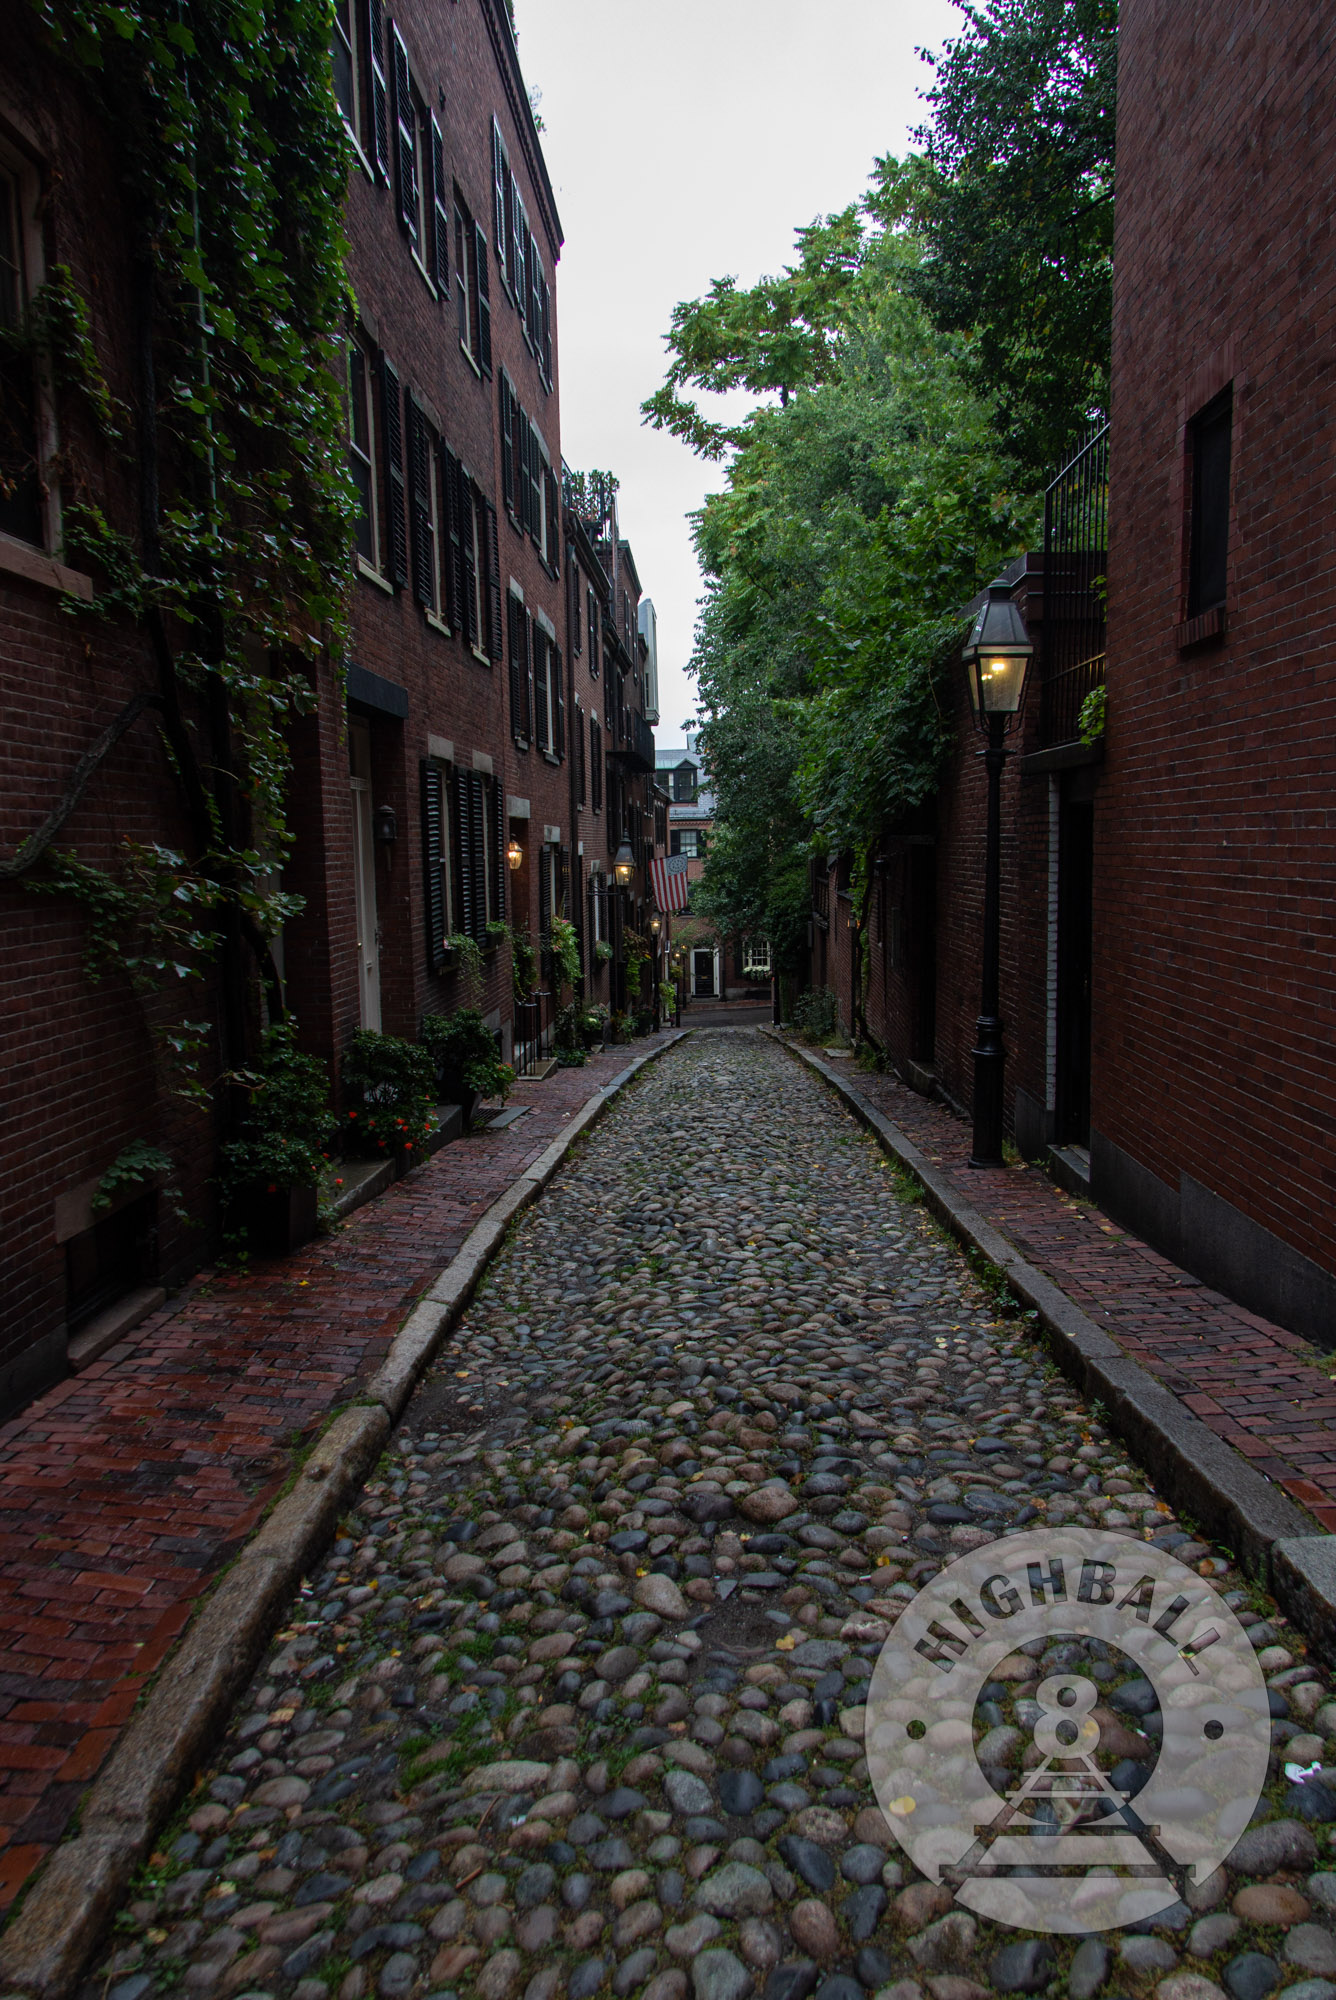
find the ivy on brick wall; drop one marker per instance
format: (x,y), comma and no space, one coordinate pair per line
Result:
(232,159)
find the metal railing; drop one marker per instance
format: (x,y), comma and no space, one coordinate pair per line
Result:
(533,1032)
(1076,549)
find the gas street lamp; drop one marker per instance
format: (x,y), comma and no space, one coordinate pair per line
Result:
(996,656)
(624,864)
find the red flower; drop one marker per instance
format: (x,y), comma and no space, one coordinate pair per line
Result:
(273,1187)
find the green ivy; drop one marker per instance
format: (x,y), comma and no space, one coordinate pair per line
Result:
(232,158)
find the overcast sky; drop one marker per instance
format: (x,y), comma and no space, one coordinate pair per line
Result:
(687,140)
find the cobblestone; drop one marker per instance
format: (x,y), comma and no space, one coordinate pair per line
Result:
(525,1776)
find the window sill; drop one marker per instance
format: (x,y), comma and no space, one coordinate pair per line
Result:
(35,566)
(370,574)
(1198,631)
(549,757)
(437,624)
(424,273)
(356,145)
(467,353)
(483,659)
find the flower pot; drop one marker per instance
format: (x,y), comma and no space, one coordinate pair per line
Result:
(275,1222)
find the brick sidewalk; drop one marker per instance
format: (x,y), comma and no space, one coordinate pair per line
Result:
(125,1488)
(1251,1382)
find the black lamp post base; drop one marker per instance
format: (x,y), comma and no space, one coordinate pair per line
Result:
(989,1070)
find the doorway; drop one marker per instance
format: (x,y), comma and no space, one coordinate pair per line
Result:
(364,874)
(1076,883)
(702,983)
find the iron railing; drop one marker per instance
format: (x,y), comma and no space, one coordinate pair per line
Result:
(1076,550)
(533,1033)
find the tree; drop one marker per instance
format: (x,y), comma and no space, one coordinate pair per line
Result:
(1012,200)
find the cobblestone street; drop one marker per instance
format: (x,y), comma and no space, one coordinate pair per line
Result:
(575,1704)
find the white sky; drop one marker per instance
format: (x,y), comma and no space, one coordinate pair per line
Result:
(688,140)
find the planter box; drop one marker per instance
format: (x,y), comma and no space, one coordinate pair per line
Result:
(276,1223)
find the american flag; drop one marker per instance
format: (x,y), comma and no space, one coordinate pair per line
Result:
(668,875)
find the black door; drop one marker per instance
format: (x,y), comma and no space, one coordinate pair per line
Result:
(1076,866)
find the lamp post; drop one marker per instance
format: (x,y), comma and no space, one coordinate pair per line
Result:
(996,657)
(655,930)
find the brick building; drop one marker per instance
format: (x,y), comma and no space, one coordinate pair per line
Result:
(1214,975)
(436,786)
(612,641)
(1167,972)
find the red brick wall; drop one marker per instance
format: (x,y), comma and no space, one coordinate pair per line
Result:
(1215,976)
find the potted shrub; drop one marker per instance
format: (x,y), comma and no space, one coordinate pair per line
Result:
(467,1061)
(388,1087)
(593,1023)
(270,1171)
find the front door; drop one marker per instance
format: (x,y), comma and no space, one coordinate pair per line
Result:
(1076,870)
(703,986)
(364,876)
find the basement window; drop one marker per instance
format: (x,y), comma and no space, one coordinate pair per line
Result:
(115,1256)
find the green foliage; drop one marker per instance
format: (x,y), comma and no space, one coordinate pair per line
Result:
(636,950)
(468,1061)
(1012,200)
(523,964)
(134,1164)
(496,934)
(468,962)
(1094,716)
(389,1088)
(229,151)
(602,952)
(816,1014)
(667,996)
(287,1126)
(859,516)
(565,943)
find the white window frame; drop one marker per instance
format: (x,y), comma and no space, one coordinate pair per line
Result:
(371,565)
(435,611)
(752,963)
(480,651)
(447,771)
(356,125)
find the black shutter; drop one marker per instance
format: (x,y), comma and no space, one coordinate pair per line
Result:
(545,336)
(433,887)
(554,670)
(464,869)
(440,232)
(595,764)
(453,555)
(481,831)
(518,233)
(553,519)
(499,864)
(542,709)
(393,432)
(484,354)
(530,713)
(495,642)
(470,578)
(507,443)
(462,281)
(419,502)
(515,619)
(380,110)
(545,909)
(563,881)
(405,136)
(499,199)
(578,743)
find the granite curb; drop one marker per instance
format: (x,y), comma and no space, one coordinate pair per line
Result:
(47,1945)
(1198,1473)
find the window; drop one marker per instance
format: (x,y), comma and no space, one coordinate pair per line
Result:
(463,859)
(419,170)
(521,676)
(549,709)
(396,503)
(578,743)
(362,451)
(346,56)
(688,840)
(473,575)
(424,509)
(684,784)
(472,289)
(593,635)
(21,509)
(1209,443)
(755,960)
